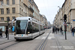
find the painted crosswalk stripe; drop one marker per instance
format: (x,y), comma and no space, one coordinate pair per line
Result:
(43,37)
(49,37)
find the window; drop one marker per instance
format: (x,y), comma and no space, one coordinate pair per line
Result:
(13,10)
(8,11)
(8,19)
(32,28)
(13,17)
(21,26)
(2,18)
(20,0)
(13,1)
(20,10)
(30,0)
(2,11)
(29,28)
(7,2)
(1,2)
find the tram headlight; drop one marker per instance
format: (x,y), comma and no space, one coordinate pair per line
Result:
(16,35)
(28,32)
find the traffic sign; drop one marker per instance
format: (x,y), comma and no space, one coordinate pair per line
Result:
(73,19)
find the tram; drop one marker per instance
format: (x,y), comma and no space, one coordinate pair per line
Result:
(27,28)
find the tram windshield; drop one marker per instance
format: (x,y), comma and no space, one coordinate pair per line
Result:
(21,26)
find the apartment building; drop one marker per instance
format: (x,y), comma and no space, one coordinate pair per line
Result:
(59,19)
(55,21)
(45,21)
(36,11)
(68,8)
(10,9)
(15,8)
(42,19)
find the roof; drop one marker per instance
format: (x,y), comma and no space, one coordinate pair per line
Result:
(22,18)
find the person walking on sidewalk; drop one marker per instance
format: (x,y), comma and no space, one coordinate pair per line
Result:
(61,30)
(6,32)
(1,32)
(53,30)
(73,30)
(56,30)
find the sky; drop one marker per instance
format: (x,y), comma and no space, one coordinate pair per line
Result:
(49,8)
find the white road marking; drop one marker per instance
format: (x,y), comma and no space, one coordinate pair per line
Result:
(51,36)
(43,37)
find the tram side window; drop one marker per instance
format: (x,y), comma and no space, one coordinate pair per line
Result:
(32,28)
(29,29)
(40,27)
(35,27)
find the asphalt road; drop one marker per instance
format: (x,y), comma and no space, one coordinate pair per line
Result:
(47,41)
(35,44)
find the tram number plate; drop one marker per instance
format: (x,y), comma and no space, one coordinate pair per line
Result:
(22,35)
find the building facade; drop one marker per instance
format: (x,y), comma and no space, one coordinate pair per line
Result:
(15,8)
(36,11)
(68,8)
(10,9)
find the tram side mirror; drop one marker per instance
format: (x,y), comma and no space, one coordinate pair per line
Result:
(29,22)
(29,18)
(14,19)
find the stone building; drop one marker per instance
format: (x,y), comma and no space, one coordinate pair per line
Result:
(58,19)
(42,19)
(36,11)
(10,9)
(68,8)
(45,21)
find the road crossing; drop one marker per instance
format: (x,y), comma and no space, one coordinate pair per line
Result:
(51,36)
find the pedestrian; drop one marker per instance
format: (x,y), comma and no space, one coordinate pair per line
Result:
(6,32)
(53,30)
(73,30)
(1,32)
(61,30)
(56,30)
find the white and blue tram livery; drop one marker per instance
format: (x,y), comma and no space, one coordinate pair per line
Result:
(27,28)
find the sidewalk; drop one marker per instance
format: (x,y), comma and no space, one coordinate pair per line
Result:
(5,40)
(68,35)
(58,42)
(68,44)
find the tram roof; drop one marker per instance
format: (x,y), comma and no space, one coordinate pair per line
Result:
(27,18)
(23,18)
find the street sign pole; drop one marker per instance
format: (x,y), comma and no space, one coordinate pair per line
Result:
(65,19)
(8,28)
(65,31)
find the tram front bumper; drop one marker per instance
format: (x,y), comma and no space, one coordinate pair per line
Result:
(23,37)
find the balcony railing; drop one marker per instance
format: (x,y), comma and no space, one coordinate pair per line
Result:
(31,9)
